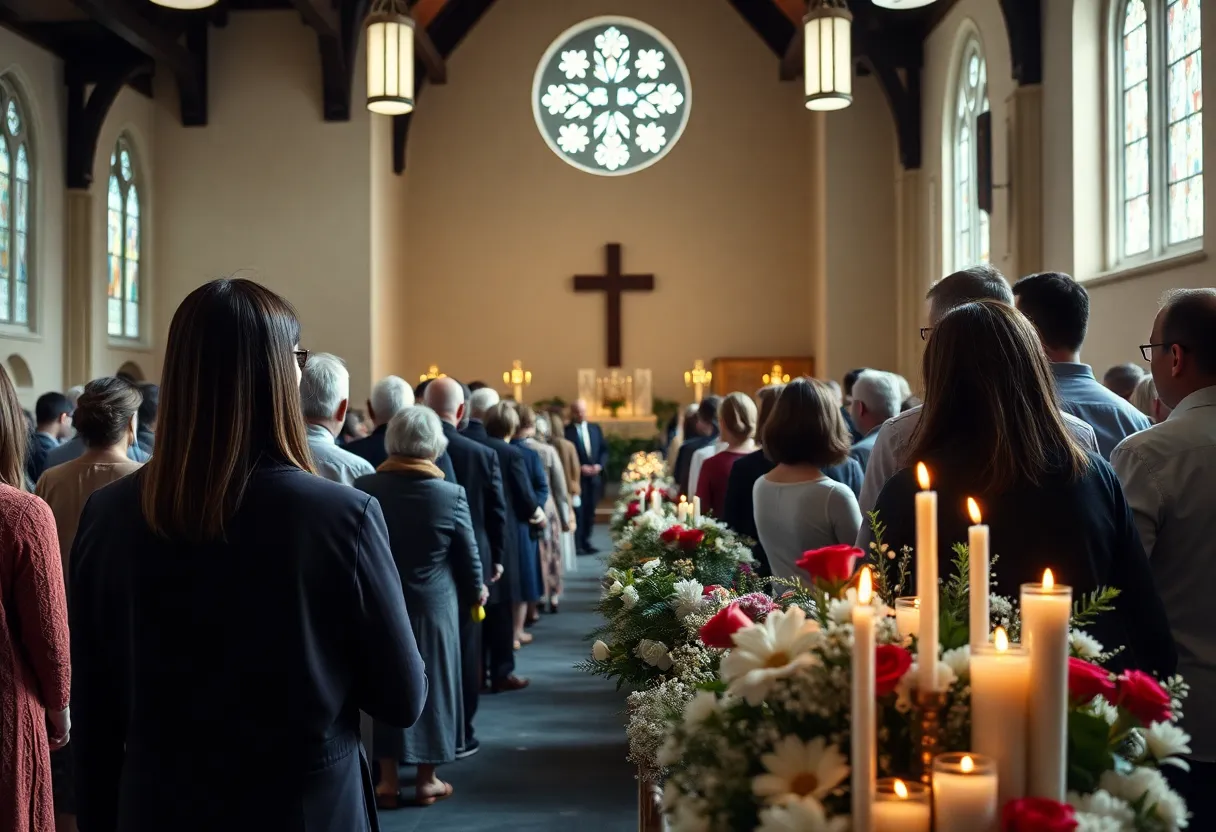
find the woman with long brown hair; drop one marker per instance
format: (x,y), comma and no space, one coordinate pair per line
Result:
(231,612)
(992,429)
(34,671)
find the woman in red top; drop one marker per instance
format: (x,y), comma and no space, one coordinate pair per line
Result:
(737,422)
(34,671)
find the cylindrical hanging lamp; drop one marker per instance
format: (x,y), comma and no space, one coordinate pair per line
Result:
(828,41)
(390,59)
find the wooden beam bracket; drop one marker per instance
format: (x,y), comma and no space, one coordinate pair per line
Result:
(1024,21)
(87,114)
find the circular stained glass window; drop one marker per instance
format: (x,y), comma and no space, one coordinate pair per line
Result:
(611,96)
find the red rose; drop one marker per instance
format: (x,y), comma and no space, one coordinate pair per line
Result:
(891,663)
(672,535)
(1143,696)
(1085,681)
(634,509)
(707,590)
(691,539)
(1037,814)
(833,564)
(719,631)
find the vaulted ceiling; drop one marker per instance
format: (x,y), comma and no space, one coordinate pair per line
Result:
(109,44)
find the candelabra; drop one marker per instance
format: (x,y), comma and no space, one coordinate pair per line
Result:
(432,373)
(697,378)
(776,375)
(518,378)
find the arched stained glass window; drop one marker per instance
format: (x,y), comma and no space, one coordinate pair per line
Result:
(1158,176)
(972,225)
(123,244)
(16,209)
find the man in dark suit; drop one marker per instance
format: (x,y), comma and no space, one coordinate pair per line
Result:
(707,434)
(519,505)
(478,471)
(53,424)
(390,396)
(588,439)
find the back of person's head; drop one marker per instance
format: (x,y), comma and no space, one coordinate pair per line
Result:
(850,378)
(982,282)
(324,385)
(990,394)
(390,396)
(806,426)
(544,429)
(481,400)
(527,416)
(104,411)
(766,397)
(690,420)
(444,396)
(557,424)
(707,412)
(1188,321)
(502,422)
(474,386)
(1058,306)
(737,416)
(880,393)
(420,389)
(352,427)
(1122,379)
(905,389)
(834,388)
(417,433)
(50,406)
(1144,397)
(149,405)
(230,398)
(14,434)
(73,393)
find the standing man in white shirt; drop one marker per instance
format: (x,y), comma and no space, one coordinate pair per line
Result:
(324,396)
(1169,476)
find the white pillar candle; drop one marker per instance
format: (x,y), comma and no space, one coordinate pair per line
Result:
(656,501)
(696,511)
(926,579)
(863,730)
(1046,609)
(978,559)
(964,793)
(1000,697)
(907,616)
(901,807)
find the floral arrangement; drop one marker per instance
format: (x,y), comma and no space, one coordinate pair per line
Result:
(636,497)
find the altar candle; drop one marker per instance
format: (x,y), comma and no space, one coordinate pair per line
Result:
(1000,698)
(926,579)
(901,807)
(863,728)
(656,501)
(1046,608)
(907,616)
(696,511)
(964,793)
(978,560)
(682,511)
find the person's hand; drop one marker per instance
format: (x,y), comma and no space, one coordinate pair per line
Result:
(595,469)
(588,470)
(59,728)
(484,596)
(498,570)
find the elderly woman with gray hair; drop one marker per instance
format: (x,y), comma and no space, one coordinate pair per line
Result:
(431,536)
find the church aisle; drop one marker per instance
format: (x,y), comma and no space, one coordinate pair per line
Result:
(553,756)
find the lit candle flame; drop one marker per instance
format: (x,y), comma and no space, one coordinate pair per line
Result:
(901,791)
(973,508)
(683,499)
(999,640)
(1049,580)
(865,587)
(967,765)
(916,603)
(922,476)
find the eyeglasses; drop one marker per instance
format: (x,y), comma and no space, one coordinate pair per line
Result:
(1147,349)
(925,332)
(301,357)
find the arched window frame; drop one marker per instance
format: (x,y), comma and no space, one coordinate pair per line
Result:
(972,227)
(124,245)
(1143,177)
(18,215)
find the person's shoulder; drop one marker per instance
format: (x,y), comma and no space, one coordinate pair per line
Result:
(308,495)
(16,504)
(360,465)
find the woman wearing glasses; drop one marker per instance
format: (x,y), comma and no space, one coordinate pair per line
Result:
(231,612)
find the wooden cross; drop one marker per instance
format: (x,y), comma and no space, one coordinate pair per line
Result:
(613,284)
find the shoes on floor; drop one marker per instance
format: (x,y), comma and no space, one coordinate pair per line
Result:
(468,750)
(509,684)
(553,608)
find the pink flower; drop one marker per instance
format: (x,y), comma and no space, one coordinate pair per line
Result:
(1143,696)
(1037,814)
(1085,681)
(833,564)
(756,605)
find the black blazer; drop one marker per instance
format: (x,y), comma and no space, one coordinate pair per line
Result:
(1083,531)
(684,458)
(218,686)
(521,502)
(478,471)
(36,450)
(738,511)
(372,448)
(599,447)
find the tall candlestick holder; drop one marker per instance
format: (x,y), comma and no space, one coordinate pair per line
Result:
(930,704)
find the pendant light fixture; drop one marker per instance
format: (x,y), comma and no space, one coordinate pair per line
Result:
(390,59)
(185,5)
(828,41)
(902,4)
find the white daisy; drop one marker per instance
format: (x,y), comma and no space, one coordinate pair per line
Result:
(700,708)
(649,63)
(795,770)
(1148,784)
(574,64)
(1084,646)
(774,648)
(800,816)
(599,651)
(686,597)
(1101,804)
(1098,706)
(629,597)
(572,138)
(1166,741)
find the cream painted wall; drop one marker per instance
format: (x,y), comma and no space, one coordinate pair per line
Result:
(498,225)
(390,307)
(269,189)
(39,76)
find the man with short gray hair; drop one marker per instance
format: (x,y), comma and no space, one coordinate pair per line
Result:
(876,398)
(390,396)
(324,397)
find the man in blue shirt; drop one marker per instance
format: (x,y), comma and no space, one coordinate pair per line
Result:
(1058,307)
